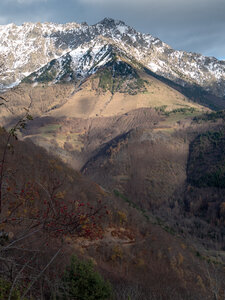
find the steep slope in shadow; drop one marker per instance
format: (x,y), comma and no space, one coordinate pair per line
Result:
(194,92)
(76,140)
(145,165)
(148,167)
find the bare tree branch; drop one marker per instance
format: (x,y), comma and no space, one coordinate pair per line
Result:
(39,275)
(18,275)
(19,239)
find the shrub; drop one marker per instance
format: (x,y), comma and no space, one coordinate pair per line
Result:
(81,282)
(5,288)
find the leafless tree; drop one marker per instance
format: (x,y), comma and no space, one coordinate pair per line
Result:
(216,282)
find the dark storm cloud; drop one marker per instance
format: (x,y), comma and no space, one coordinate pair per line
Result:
(196,26)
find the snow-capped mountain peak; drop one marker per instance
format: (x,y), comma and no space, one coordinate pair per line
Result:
(26,48)
(77,64)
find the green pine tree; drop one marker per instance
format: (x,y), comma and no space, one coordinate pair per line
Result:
(81,282)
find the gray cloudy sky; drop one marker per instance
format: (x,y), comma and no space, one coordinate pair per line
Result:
(191,25)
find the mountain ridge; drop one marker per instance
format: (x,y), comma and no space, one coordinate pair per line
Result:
(32,45)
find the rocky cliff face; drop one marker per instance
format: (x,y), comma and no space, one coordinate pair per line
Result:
(26,48)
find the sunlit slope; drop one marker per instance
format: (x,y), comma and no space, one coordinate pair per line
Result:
(92,100)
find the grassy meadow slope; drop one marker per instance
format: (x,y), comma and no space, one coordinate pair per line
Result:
(116,88)
(97,99)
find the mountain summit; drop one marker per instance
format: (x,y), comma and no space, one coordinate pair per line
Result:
(109,22)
